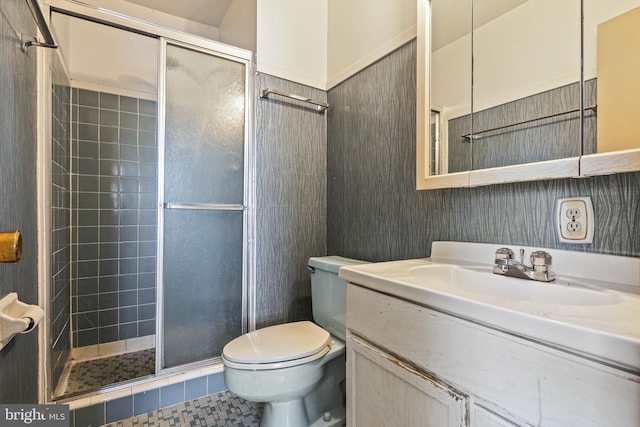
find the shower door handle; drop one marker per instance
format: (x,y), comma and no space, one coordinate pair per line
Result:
(204,206)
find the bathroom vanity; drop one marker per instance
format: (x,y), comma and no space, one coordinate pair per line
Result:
(444,342)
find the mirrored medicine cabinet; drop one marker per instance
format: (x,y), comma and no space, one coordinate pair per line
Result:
(522,90)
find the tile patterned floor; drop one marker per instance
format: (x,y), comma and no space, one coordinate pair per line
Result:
(93,374)
(216,410)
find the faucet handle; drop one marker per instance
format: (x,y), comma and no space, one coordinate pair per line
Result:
(540,260)
(503,255)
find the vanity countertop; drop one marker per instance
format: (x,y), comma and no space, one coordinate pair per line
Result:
(592,308)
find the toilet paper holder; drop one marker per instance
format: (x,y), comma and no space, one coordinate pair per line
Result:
(17,317)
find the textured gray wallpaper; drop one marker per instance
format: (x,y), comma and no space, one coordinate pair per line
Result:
(19,359)
(290,200)
(374,212)
(538,140)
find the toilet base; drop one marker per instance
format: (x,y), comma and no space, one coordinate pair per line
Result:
(294,414)
(291,413)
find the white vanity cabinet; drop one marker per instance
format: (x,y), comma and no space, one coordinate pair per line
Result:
(411,365)
(385,392)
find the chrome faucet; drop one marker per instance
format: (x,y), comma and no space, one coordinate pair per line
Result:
(506,264)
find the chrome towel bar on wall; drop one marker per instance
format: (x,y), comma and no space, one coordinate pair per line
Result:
(319,105)
(28,40)
(477,134)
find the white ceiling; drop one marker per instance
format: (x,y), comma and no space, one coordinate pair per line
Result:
(451,19)
(208,12)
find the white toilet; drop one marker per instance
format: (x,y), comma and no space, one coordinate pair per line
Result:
(297,369)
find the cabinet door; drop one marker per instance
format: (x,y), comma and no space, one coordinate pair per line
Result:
(480,417)
(382,391)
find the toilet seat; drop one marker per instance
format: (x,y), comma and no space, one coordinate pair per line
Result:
(276,347)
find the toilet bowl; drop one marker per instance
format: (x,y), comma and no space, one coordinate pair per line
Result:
(262,367)
(297,369)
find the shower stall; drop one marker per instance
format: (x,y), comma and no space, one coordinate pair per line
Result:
(152,194)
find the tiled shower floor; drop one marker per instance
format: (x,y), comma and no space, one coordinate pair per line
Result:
(219,410)
(93,374)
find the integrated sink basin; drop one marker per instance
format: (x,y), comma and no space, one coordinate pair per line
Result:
(592,308)
(480,283)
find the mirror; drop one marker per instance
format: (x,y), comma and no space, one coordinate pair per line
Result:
(522,94)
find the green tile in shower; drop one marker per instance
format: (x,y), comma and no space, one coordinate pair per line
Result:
(148,154)
(147,138)
(127,330)
(129,104)
(129,152)
(146,311)
(107,300)
(88,97)
(146,265)
(128,281)
(129,184)
(108,334)
(128,314)
(86,286)
(128,265)
(87,132)
(129,169)
(146,296)
(129,217)
(109,101)
(147,123)
(87,251)
(88,166)
(88,149)
(88,217)
(110,151)
(147,327)
(109,167)
(147,107)
(109,134)
(109,118)
(88,115)
(108,317)
(128,121)
(108,283)
(128,136)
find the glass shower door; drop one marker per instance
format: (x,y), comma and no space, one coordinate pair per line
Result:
(202,179)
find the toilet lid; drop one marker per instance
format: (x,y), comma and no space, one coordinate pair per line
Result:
(278,343)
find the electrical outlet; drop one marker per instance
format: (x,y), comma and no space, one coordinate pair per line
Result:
(574,220)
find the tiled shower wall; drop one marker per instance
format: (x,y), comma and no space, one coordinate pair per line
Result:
(114,217)
(375,213)
(60,218)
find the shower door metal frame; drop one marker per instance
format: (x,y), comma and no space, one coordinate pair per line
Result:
(248,244)
(98,14)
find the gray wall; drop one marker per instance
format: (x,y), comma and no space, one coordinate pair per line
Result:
(547,139)
(290,200)
(374,212)
(19,359)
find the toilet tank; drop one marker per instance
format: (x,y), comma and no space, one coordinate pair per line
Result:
(329,293)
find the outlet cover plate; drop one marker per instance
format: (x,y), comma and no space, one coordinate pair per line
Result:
(574,220)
